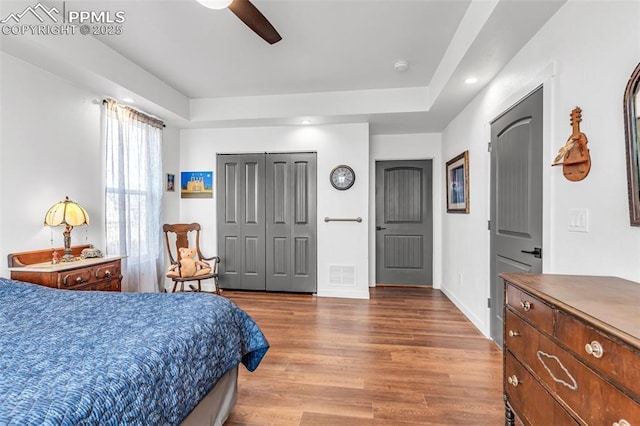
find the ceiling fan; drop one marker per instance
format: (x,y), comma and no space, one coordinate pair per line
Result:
(248,14)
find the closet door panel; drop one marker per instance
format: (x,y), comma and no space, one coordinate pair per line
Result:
(241,192)
(291,227)
(303,227)
(278,219)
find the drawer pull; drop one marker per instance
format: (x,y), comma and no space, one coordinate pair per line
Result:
(622,422)
(513,333)
(107,273)
(525,305)
(594,348)
(79,280)
(513,380)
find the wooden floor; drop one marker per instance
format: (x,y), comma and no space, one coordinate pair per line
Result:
(406,356)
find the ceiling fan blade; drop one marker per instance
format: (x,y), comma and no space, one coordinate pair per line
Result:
(255,20)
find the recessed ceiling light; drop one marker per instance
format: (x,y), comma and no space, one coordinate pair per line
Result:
(128,100)
(471,80)
(306,121)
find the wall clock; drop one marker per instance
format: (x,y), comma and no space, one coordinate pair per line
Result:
(342,177)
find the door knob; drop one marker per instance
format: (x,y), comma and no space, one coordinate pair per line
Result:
(536,252)
(380,228)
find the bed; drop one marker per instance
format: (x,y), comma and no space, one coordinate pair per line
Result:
(104,358)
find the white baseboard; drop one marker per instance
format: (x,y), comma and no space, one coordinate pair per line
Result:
(345,294)
(480,325)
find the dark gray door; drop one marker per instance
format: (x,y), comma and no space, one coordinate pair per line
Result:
(267,221)
(291,222)
(404,219)
(516,198)
(241,224)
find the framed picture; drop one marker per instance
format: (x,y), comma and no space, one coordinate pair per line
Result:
(171,182)
(458,184)
(196,185)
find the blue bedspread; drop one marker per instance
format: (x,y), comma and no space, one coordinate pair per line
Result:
(102,358)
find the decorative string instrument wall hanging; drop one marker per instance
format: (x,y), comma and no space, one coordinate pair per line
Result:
(574,155)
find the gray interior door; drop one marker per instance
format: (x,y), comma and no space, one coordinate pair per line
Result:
(404,219)
(267,221)
(516,198)
(291,222)
(241,222)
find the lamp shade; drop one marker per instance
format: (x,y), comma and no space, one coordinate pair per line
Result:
(215,4)
(66,212)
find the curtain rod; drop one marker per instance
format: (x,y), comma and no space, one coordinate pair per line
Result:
(105,101)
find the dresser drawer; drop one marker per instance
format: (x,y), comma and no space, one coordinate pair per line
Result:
(532,403)
(96,277)
(568,378)
(617,361)
(108,285)
(530,307)
(76,278)
(107,271)
(520,337)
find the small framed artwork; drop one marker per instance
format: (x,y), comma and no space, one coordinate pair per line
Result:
(196,185)
(458,184)
(171,182)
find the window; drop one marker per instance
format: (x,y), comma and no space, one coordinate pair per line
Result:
(133,194)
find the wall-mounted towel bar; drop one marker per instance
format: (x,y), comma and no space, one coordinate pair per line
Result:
(343,219)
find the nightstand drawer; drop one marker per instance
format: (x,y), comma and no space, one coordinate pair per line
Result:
(614,360)
(76,278)
(530,307)
(109,285)
(108,271)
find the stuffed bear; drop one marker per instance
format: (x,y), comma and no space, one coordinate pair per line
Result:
(189,266)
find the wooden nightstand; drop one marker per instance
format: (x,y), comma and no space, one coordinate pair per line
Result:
(103,273)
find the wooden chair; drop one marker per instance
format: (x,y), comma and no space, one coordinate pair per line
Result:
(180,233)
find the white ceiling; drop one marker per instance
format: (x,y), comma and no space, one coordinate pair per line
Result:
(335,59)
(325,46)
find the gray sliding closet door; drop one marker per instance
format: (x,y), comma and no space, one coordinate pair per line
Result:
(291,222)
(241,226)
(267,221)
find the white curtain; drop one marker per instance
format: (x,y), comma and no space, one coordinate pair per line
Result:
(133,197)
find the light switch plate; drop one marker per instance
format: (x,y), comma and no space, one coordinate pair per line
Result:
(579,220)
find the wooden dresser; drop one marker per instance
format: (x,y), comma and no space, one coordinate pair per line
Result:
(104,273)
(571,350)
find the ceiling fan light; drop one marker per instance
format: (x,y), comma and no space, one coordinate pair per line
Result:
(215,4)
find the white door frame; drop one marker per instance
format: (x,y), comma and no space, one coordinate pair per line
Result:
(544,78)
(428,150)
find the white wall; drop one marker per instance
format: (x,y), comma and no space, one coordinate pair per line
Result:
(171,164)
(51,147)
(586,65)
(424,146)
(338,243)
